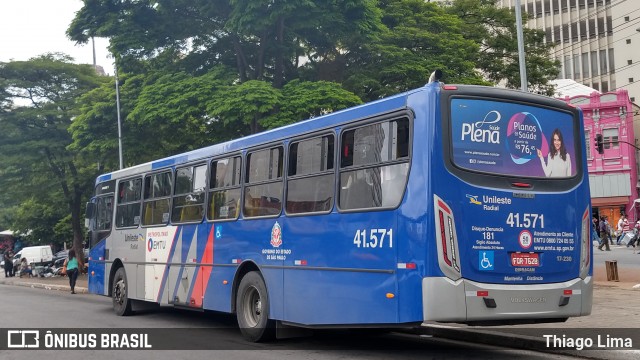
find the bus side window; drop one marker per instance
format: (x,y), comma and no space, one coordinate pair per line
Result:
(374,165)
(157,192)
(310,184)
(224,182)
(263,189)
(128,208)
(188,199)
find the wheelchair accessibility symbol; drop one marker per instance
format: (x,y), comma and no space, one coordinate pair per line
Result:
(485,260)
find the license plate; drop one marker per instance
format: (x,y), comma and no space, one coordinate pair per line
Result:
(525,259)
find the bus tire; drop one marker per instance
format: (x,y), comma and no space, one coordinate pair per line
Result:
(120,294)
(252,305)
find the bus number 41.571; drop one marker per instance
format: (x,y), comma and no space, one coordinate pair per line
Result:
(377,238)
(525,220)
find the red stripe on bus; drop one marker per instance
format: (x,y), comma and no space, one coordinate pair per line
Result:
(204,272)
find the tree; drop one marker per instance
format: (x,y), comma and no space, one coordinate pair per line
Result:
(494,29)
(263,40)
(417,38)
(37,163)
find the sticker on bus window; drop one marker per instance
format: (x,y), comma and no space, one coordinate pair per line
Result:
(513,139)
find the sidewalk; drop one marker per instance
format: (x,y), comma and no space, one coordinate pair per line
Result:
(58,283)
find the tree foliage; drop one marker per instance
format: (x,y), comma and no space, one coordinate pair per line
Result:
(494,29)
(34,137)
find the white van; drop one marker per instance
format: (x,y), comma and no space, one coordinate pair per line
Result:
(36,255)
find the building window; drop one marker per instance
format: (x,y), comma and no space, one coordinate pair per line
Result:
(603,62)
(626,18)
(629,62)
(585,65)
(605,86)
(630,80)
(594,63)
(567,67)
(628,41)
(576,66)
(596,86)
(610,138)
(633,99)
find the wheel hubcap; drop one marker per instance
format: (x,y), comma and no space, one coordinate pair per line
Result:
(119,291)
(252,307)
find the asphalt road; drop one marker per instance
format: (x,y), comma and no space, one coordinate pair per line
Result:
(24,307)
(626,257)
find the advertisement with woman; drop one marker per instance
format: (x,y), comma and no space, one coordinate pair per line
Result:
(512,139)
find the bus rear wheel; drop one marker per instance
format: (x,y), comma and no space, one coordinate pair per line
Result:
(252,305)
(120,295)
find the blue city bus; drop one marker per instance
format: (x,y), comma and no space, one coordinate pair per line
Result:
(449,203)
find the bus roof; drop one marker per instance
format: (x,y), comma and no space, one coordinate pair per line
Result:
(325,121)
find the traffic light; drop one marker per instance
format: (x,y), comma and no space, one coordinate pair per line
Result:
(599,144)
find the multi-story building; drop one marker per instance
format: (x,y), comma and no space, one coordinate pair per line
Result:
(613,175)
(595,40)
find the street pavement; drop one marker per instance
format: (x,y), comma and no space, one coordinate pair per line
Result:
(616,305)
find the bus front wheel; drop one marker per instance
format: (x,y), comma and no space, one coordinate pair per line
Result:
(121,301)
(252,305)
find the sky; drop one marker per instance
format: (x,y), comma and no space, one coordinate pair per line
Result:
(29,28)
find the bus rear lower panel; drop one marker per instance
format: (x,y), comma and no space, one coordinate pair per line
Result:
(467,301)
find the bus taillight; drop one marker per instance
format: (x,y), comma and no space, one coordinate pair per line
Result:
(585,244)
(447,240)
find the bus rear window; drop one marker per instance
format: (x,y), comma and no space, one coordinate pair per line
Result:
(512,139)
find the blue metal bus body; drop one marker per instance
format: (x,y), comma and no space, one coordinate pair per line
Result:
(464,244)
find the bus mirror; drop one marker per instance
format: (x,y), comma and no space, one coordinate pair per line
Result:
(91,209)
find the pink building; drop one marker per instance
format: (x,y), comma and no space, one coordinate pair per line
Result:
(613,176)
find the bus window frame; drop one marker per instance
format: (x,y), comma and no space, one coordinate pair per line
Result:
(389,117)
(245,178)
(117,202)
(287,177)
(160,171)
(175,184)
(502,181)
(210,190)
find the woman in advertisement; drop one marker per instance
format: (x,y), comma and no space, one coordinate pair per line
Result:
(558,160)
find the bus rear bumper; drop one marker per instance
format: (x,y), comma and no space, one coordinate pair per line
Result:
(467,301)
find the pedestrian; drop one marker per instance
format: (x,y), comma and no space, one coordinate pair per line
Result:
(25,269)
(8,263)
(604,234)
(636,234)
(623,228)
(71,264)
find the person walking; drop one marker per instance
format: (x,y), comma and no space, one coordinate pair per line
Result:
(604,234)
(8,263)
(623,228)
(71,264)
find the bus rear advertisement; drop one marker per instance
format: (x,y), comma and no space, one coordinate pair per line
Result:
(447,203)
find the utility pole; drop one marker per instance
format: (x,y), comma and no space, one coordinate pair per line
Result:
(115,66)
(523,69)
